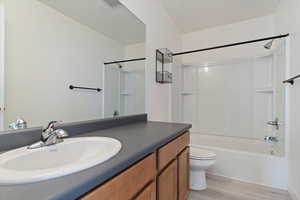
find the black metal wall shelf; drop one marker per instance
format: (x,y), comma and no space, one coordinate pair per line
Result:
(292,80)
(84,88)
(163,56)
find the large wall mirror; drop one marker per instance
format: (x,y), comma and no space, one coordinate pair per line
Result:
(48,45)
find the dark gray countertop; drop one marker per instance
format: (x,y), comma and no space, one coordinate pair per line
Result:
(138,140)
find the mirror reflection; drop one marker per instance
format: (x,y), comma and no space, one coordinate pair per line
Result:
(52,45)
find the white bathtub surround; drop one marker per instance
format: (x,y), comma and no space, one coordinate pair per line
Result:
(232,143)
(251,167)
(236,98)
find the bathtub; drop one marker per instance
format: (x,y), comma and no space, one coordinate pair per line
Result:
(244,159)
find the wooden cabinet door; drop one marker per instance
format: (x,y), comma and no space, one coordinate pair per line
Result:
(167,183)
(128,184)
(168,152)
(183,175)
(149,193)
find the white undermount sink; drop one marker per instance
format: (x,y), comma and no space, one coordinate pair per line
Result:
(23,165)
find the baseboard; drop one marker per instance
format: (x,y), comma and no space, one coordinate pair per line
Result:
(293,194)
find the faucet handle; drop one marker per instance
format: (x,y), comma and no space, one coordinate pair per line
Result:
(48,131)
(60,133)
(51,125)
(271,139)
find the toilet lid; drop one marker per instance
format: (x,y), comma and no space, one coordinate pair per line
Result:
(197,153)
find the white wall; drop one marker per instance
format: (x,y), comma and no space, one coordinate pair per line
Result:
(294,116)
(2,62)
(237,32)
(160,32)
(287,20)
(47,51)
(135,51)
(287,17)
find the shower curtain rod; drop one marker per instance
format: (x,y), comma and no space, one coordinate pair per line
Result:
(124,61)
(230,45)
(205,49)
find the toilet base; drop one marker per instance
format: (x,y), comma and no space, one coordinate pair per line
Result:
(198,180)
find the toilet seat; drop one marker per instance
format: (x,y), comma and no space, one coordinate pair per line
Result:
(201,154)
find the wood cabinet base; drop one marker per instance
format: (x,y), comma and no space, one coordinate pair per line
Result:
(162,175)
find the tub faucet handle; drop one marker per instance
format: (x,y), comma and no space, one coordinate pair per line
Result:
(271,139)
(274,123)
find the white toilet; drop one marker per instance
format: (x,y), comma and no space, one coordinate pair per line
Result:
(200,160)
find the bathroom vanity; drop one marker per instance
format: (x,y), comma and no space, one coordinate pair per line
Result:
(161,175)
(152,163)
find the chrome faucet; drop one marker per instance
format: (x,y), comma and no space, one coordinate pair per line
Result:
(50,136)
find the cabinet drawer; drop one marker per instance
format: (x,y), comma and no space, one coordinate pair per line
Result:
(169,152)
(183,141)
(149,193)
(126,185)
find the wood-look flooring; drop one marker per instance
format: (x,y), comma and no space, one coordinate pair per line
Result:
(220,188)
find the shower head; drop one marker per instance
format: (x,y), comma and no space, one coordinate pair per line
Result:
(269,45)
